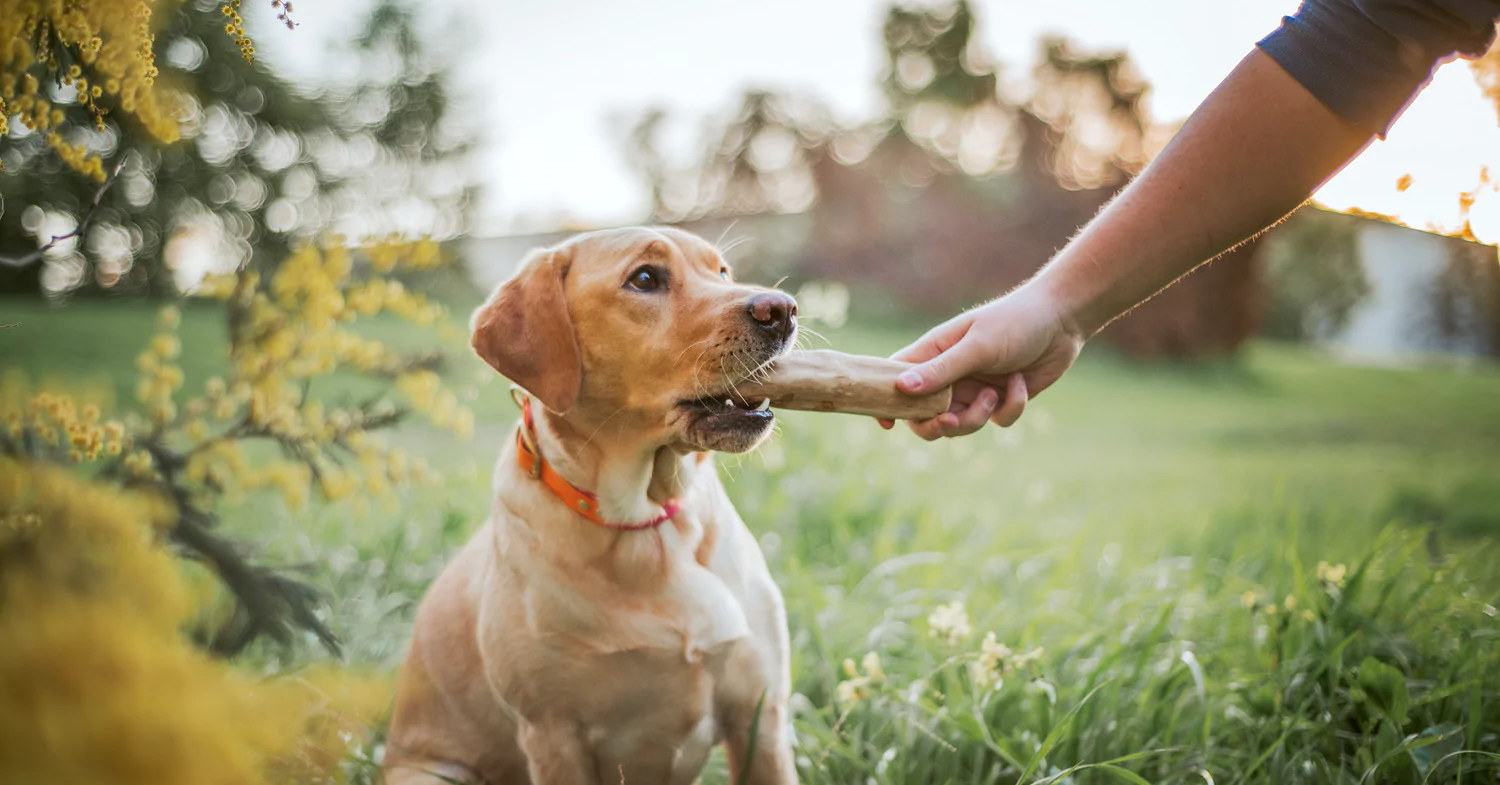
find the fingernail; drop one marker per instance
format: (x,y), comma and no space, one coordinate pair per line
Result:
(909,379)
(991,399)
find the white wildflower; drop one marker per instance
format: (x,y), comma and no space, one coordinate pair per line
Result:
(950,622)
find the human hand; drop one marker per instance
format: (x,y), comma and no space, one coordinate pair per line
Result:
(996,357)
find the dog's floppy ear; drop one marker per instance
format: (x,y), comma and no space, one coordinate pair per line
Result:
(526,334)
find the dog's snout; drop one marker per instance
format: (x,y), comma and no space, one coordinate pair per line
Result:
(775,313)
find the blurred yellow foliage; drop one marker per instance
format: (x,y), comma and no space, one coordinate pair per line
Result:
(58,421)
(100,683)
(101,50)
(284,335)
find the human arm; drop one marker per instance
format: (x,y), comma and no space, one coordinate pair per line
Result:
(1252,152)
(1293,112)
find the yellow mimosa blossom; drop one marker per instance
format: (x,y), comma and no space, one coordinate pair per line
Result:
(112,44)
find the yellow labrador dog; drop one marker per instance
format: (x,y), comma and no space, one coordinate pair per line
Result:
(613,620)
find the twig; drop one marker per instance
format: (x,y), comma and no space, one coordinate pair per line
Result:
(83,223)
(267,603)
(272,604)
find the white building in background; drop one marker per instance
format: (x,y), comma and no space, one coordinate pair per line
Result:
(1397,321)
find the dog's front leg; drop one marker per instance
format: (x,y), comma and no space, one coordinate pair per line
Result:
(760,753)
(555,754)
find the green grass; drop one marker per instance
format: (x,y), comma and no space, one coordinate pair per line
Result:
(1118,527)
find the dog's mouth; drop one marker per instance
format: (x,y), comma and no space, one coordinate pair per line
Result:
(726,422)
(730,406)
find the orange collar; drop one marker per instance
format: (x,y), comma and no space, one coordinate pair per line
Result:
(529,456)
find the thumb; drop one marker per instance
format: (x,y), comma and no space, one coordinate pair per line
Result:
(943,370)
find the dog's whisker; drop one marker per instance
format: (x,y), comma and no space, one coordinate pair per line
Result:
(697,363)
(760,372)
(729,380)
(751,374)
(689,348)
(725,249)
(735,243)
(720,242)
(804,331)
(740,360)
(590,440)
(698,385)
(724,377)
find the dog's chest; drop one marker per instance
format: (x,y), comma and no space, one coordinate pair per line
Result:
(643,672)
(651,715)
(649,594)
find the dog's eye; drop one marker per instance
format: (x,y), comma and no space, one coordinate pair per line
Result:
(647,279)
(724,273)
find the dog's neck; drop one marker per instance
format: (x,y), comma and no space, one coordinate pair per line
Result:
(632,479)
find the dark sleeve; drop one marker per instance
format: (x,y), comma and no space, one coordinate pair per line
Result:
(1366,59)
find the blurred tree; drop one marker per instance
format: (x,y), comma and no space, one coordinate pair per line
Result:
(1008,180)
(260,166)
(642,149)
(242,131)
(1094,108)
(1314,275)
(1466,298)
(932,55)
(961,190)
(1468,293)
(760,161)
(757,161)
(940,91)
(421,181)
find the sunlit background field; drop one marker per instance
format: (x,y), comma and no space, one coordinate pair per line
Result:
(1252,537)
(1159,533)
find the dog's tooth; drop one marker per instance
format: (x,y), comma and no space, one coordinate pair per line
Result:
(765,403)
(728,403)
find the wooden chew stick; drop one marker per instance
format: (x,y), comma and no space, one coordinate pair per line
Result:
(823,380)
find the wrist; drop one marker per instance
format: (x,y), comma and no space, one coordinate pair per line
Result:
(1064,302)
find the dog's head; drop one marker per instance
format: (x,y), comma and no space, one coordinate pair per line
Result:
(641,329)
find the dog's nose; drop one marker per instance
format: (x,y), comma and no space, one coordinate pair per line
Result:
(774,312)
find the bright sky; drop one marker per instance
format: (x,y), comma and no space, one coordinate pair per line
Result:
(553,79)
